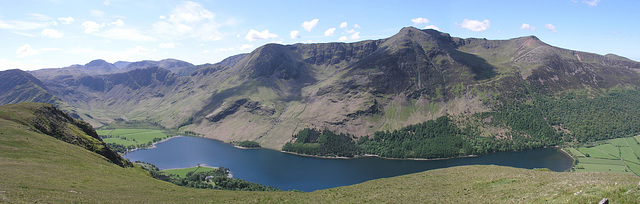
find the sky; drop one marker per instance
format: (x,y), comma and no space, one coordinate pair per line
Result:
(37,34)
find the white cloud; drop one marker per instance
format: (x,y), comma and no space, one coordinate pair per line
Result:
(67,20)
(130,34)
(91,27)
(432,27)
(26,50)
(22,25)
(550,27)
(119,22)
(246,47)
(107,2)
(190,12)
(50,49)
(166,45)
(355,36)
(330,32)
(40,17)
(356,26)
(51,33)
(525,26)
(294,34)
(96,13)
(592,2)
(6,64)
(420,20)
(351,31)
(190,20)
(343,38)
(475,25)
(136,53)
(308,25)
(343,25)
(255,35)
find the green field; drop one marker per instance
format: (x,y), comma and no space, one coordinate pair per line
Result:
(617,142)
(609,149)
(634,167)
(183,172)
(621,155)
(131,136)
(588,160)
(633,144)
(628,155)
(119,141)
(595,153)
(574,152)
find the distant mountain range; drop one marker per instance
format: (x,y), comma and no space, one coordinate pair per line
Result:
(358,88)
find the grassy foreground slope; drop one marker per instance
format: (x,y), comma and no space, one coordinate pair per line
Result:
(35,167)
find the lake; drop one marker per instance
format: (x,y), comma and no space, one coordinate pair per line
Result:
(288,171)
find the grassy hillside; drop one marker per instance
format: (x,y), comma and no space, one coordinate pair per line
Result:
(35,167)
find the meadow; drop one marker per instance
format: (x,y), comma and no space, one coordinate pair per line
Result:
(122,140)
(182,172)
(621,155)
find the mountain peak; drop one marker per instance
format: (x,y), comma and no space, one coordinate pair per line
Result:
(97,62)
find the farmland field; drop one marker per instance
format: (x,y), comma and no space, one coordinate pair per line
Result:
(119,141)
(123,140)
(593,152)
(628,155)
(600,161)
(620,155)
(183,172)
(609,149)
(575,152)
(617,142)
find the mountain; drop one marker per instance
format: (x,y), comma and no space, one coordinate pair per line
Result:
(176,66)
(121,64)
(99,66)
(19,86)
(500,88)
(37,166)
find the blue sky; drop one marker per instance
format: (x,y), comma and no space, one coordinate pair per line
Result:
(58,33)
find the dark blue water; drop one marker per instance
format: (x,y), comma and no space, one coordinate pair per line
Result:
(288,171)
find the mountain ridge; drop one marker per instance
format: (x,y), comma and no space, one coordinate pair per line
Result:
(358,88)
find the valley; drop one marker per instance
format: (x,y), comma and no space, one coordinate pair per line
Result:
(504,92)
(419,94)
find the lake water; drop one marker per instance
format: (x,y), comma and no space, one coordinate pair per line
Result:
(288,171)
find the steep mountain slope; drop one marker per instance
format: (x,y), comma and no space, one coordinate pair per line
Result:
(414,76)
(136,95)
(48,120)
(357,88)
(19,86)
(35,167)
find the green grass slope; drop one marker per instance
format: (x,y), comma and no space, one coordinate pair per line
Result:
(35,167)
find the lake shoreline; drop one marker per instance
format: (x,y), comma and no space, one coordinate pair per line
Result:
(412,159)
(153,145)
(355,156)
(360,156)
(290,171)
